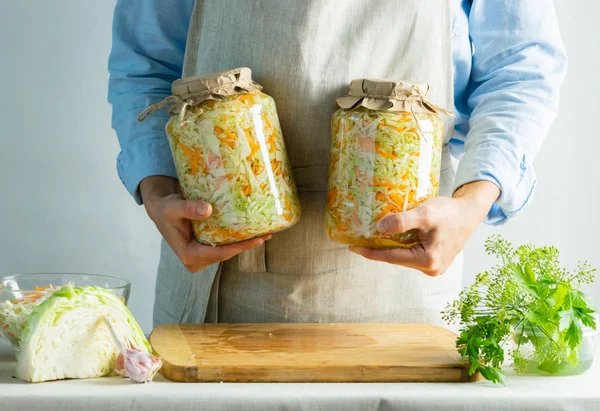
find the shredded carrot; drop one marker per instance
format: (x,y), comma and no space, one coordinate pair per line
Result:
(254,146)
(287,210)
(247,98)
(398,129)
(397,198)
(385,154)
(335,129)
(342,227)
(194,158)
(237,235)
(228,139)
(256,167)
(334,161)
(331,197)
(384,183)
(265,120)
(355,212)
(383,212)
(276,166)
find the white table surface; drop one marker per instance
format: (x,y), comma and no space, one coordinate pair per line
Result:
(107,394)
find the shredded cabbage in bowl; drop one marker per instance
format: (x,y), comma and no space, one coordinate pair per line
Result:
(231,154)
(380,164)
(15,312)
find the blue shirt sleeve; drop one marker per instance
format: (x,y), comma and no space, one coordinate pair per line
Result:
(147,55)
(518,65)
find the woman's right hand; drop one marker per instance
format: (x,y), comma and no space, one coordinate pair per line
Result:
(172,216)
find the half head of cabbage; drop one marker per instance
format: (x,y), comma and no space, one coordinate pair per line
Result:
(66,337)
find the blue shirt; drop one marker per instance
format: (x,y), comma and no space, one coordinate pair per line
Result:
(509,63)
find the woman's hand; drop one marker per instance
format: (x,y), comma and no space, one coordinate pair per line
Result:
(444,225)
(172,216)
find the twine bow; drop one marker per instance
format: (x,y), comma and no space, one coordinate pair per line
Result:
(417,96)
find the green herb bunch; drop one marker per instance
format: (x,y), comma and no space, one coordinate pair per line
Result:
(528,298)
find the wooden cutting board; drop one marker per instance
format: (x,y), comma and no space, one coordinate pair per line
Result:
(309,353)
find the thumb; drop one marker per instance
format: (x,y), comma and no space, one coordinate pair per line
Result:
(397,223)
(176,207)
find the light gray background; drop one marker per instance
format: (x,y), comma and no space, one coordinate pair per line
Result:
(63,207)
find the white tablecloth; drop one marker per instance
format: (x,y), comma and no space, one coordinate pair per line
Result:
(107,394)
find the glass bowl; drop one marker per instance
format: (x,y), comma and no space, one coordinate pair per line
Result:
(564,368)
(18,288)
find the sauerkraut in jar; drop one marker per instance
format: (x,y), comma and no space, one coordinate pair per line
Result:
(229,151)
(385,158)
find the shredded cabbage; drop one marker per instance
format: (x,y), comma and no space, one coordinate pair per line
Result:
(67,335)
(380,164)
(15,313)
(231,154)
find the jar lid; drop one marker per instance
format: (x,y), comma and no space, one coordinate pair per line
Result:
(215,86)
(389,95)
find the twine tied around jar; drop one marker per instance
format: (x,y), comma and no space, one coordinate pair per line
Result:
(194,90)
(170,100)
(390,95)
(417,96)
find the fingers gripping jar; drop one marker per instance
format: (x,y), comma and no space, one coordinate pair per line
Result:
(229,151)
(385,158)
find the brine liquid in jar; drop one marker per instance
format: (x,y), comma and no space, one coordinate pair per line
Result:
(381,162)
(229,151)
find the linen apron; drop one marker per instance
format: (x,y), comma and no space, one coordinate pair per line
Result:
(305,53)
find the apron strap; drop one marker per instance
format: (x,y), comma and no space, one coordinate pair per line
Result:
(253,260)
(313,178)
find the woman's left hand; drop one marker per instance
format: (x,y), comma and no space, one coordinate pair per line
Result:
(444,226)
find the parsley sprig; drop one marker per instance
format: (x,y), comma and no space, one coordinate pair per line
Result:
(527,297)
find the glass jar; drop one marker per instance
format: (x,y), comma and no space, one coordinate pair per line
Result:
(385,158)
(229,151)
(529,341)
